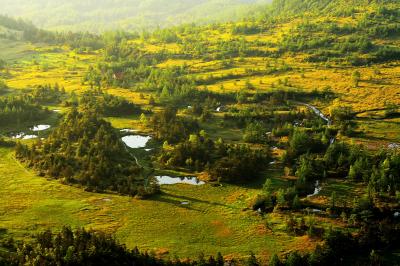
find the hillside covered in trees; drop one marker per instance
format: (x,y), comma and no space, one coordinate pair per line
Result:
(269,140)
(85,150)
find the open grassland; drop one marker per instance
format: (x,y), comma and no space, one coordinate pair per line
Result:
(215,220)
(50,66)
(14,50)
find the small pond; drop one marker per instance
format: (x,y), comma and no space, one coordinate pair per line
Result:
(29,137)
(168,180)
(40,128)
(23,136)
(136,141)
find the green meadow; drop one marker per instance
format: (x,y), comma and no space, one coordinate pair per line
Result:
(216,218)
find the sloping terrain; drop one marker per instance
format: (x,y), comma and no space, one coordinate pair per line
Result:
(132,14)
(258,82)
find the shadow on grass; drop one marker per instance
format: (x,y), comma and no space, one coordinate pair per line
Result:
(3,231)
(177,200)
(272,172)
(378,119)
(343,188)
(370,137)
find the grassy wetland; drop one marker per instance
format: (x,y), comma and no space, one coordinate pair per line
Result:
(278,134)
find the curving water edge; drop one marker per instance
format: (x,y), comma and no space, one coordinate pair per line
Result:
(136,141)
(168,180)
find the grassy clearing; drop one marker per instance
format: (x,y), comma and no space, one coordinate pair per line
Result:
(215,219)
(381,131)
(50,66)
(132,122)
(346,191)
(14,50)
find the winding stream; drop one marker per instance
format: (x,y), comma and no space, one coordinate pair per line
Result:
(318,113)
(317,189)
(321,115)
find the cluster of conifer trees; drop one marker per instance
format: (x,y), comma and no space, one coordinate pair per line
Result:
(24,30)
(167,126)
(19,109)
(309,158)
(380,170)
(222,162)
(355,45)
(82,247)
(85,149)
(107,104)
(48,94)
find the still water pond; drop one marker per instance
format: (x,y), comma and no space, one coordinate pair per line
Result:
(168,180)
(24,136)
(40,128)
(136,141)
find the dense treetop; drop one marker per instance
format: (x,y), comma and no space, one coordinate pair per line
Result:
(85,149)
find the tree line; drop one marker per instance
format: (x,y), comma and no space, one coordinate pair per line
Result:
(20,109)
(84,149)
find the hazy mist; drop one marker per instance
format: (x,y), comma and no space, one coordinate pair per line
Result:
(98,15)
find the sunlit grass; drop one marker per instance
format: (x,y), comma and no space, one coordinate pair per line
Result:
(214,220)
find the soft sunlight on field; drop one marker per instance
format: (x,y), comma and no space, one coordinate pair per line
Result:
(31,204)
(277,133)
(51,67)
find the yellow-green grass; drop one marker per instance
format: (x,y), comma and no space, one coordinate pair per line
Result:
(374,91)
(213,221)
(346,191)
(178,62)
(216,131)
(383,130)
(15,50)
(49,67)
(141,98)
(375,133)
(131,122)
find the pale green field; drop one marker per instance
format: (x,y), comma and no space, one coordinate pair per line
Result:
(13,50)
(214,221)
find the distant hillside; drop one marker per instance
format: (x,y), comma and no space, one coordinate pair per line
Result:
(334,7)
(97,16)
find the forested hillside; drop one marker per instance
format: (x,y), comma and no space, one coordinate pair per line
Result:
(332,7)
(129,15)
(273,139)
